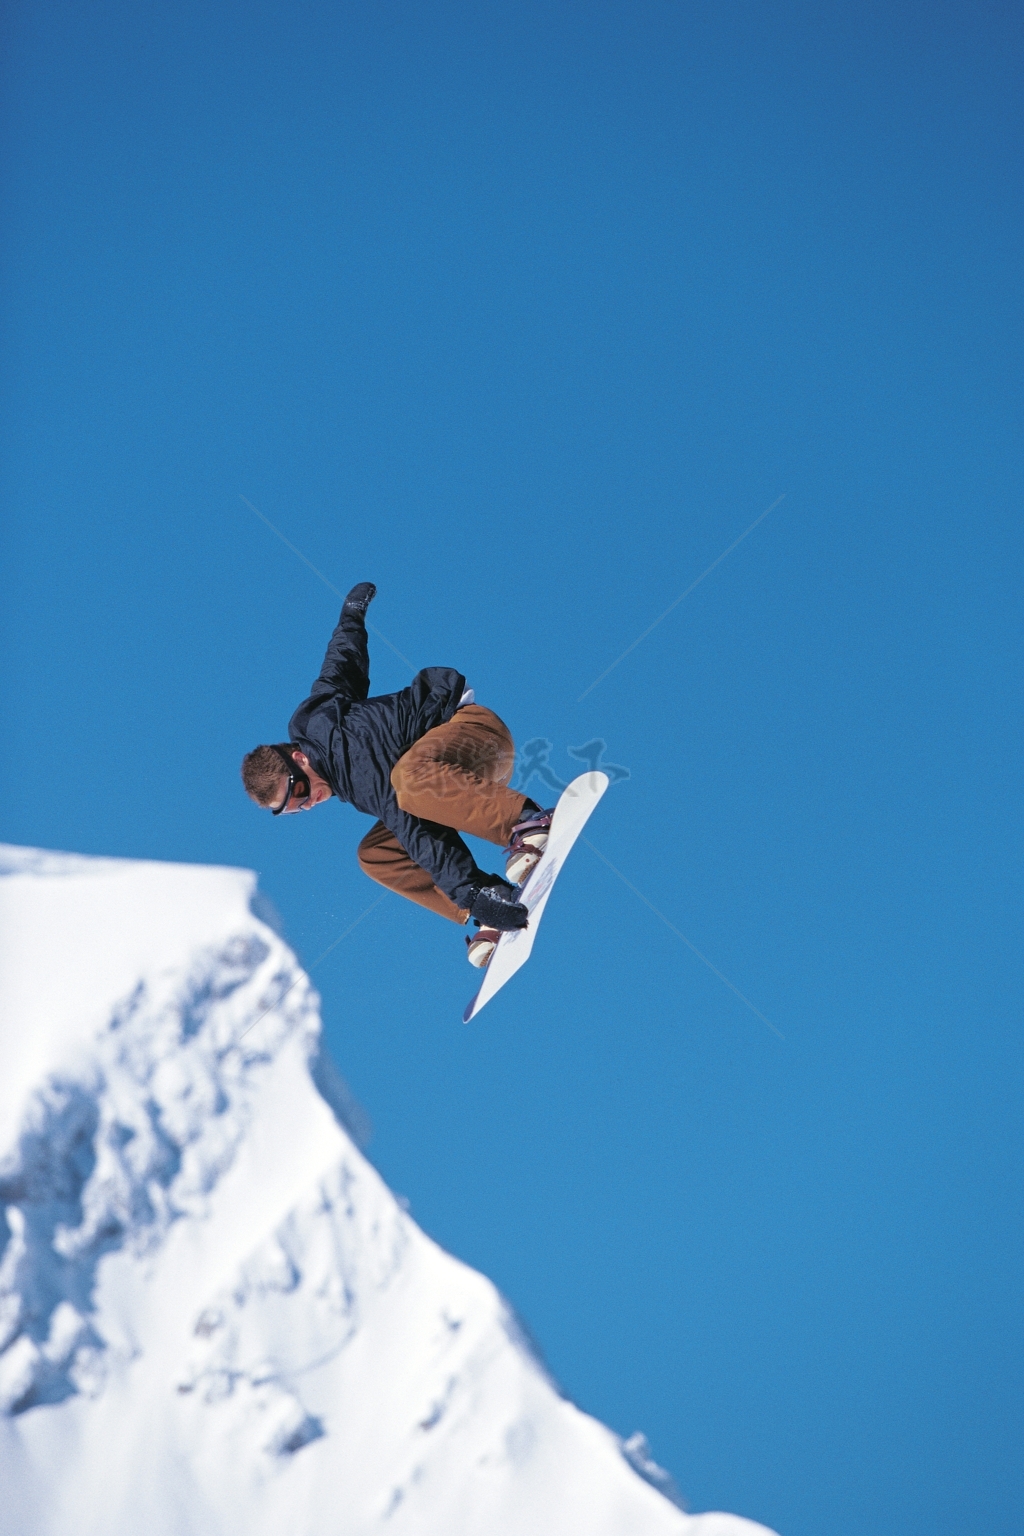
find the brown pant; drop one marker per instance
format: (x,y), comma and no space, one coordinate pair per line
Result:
(457,774)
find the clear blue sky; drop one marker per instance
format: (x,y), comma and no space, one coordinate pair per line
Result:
(525,313)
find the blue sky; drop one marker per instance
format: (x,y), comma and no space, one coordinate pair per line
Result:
(526,313)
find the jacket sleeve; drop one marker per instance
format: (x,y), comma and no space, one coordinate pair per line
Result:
(439,850)
(346,668)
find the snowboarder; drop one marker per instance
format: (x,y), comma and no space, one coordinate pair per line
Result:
(429,763)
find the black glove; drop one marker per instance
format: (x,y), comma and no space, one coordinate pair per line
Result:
(494,907)
(359,599)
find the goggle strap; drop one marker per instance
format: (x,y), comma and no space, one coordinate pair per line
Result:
(286,758)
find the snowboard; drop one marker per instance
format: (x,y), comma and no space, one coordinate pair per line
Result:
(512,950)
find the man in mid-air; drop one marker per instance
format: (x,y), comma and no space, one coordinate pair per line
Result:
(429,763)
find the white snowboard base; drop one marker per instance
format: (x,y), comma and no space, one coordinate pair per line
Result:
(574,806)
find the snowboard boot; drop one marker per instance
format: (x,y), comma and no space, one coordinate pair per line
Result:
(480,946)
(529,839)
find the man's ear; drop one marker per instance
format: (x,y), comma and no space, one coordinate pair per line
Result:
(301,759)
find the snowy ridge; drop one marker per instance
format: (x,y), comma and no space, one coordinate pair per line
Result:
(214,1316)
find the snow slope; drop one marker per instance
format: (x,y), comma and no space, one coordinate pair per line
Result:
(214,1316)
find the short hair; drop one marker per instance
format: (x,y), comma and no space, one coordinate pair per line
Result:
(263,770)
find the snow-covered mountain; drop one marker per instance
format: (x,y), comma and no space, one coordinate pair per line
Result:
(215,1319)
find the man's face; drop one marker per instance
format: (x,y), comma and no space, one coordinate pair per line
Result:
(319,789)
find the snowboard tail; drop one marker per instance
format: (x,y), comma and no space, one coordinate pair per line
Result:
(512,951)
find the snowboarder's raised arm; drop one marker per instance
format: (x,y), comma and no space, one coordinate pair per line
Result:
(346,668)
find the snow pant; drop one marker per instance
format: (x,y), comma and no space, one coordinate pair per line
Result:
(457,775)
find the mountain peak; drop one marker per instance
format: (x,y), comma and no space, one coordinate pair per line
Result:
(214,1316)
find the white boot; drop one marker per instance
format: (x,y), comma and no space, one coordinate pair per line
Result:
(529,839)
(480,946)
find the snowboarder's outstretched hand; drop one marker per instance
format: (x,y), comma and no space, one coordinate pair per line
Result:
(359,599)
(495,907)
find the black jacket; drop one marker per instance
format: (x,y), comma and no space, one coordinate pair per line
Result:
(354,742)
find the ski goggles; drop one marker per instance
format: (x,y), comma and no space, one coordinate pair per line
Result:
(296,777)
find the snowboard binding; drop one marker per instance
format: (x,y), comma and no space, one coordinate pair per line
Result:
(529,839)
